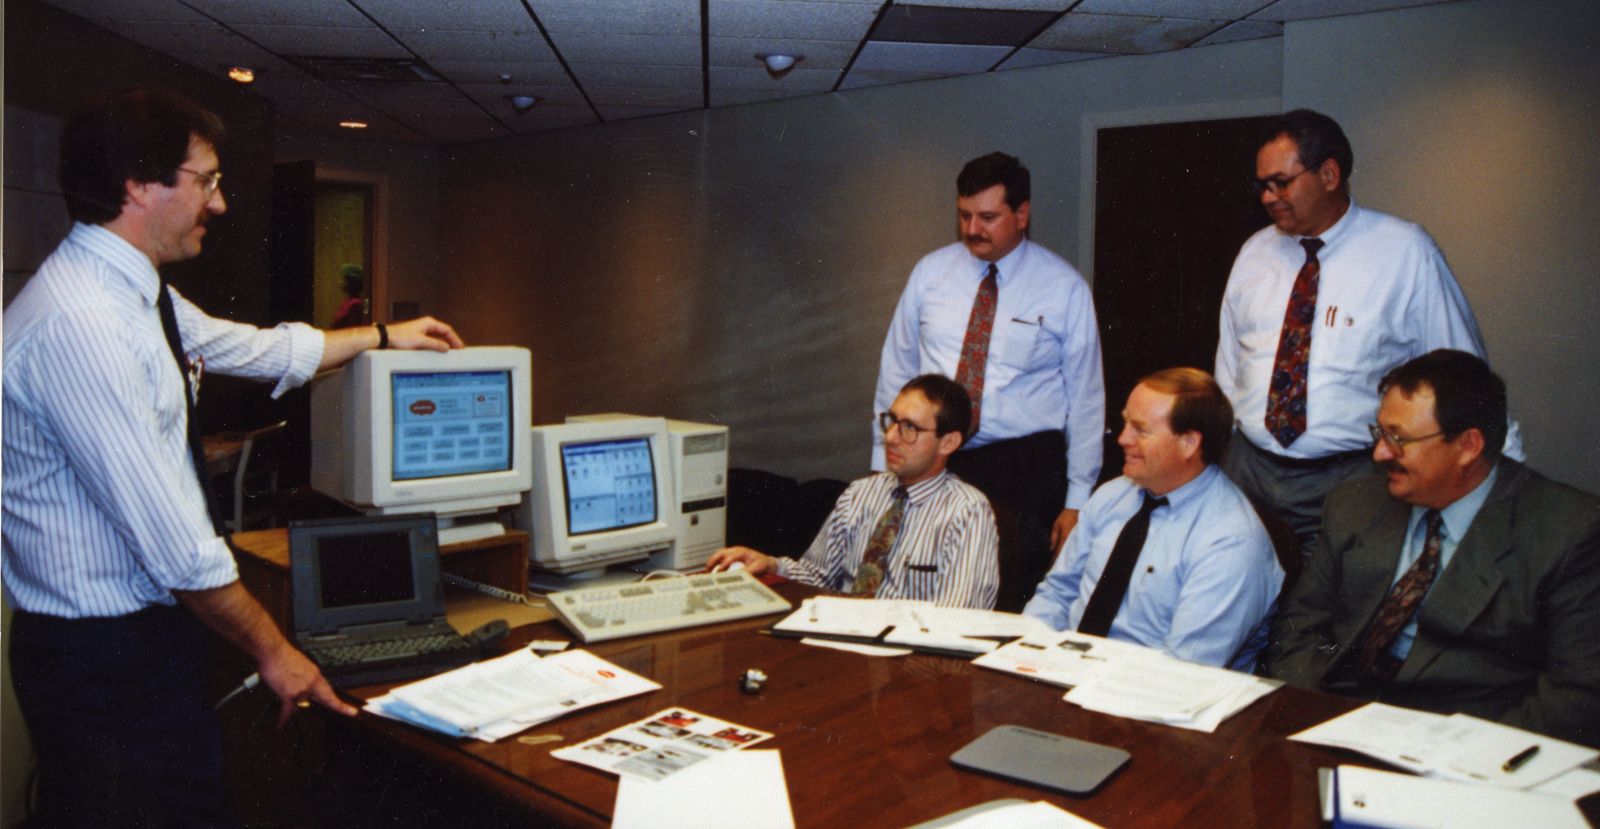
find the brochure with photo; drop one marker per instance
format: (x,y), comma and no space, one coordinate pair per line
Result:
(666,742)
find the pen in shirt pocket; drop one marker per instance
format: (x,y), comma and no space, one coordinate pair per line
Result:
(1037,321)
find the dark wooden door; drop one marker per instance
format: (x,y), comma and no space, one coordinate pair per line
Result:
(1172,206)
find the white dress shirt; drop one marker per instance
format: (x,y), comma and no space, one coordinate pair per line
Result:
(103,512)
(1384,296)
(1043,371)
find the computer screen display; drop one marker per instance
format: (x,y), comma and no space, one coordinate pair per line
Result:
(365,569)
(451,423)
(610,484)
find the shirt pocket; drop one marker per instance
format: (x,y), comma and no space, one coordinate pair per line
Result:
(1025,341)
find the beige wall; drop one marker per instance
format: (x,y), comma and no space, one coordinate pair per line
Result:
(1477,120)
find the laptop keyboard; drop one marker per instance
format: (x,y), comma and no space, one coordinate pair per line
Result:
(360,653)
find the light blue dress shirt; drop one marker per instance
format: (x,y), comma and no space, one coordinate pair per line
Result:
(1385,295)
(103,512)
(1456,518)
(1043,371)
(1206,581)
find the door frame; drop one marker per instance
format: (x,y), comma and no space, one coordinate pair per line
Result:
(378,279)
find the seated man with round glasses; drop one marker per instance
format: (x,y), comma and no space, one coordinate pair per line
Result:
(913,532)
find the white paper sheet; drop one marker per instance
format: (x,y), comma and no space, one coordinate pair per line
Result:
(739,790)
(1368,797)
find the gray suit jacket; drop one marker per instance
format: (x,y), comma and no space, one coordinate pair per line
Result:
(1510,630)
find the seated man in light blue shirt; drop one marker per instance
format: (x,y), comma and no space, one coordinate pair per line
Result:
(1171,555)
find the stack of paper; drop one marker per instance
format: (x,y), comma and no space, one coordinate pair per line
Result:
(498,697)
(1455,747)
(1132,681)
(913,624)
(1370,798)
(737,790)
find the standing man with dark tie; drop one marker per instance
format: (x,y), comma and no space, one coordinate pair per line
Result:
(1014,324)
(1319,305)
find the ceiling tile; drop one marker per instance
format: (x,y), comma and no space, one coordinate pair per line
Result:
(862,78)
(477,16)
(1016,5)
(550,118)
(623,17)
(1119,34)
(102,12)
(1025,58)
(790,19)
(666,50)
(817,54)
(622,113)
(489,71)
(333,13)
(611,74)
(449,44)
(318,41)
(797,82)
(459,130)
(1311,9)
(643,96)
(493,96)
(165,36)
(1242,30)
(940,58)
(934,24)
(1199,9)
(735,97)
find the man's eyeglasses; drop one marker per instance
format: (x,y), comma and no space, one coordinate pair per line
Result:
(909,432)
(1276,184)
(209,181)
(1396,443)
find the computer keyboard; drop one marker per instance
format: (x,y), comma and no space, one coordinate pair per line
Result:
(596,614)
(358,653)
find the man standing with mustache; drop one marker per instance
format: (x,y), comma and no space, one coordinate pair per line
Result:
(1461,580)
(1319,305)
(1014,324)
(113,561)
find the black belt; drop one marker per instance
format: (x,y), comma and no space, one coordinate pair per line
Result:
(1305,463)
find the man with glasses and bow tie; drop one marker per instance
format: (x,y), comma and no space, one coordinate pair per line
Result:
(1171,555)
(1319,305)
(1461,580)
(114,561)
(912,532)
(1014,324)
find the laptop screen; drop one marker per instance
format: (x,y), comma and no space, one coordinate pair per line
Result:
(366,569)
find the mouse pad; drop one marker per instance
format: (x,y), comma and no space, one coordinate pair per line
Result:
(1039,758)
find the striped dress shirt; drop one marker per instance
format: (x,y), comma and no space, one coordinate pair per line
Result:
(945,552)
(103,514)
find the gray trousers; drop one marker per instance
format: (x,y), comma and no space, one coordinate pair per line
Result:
(1291,490)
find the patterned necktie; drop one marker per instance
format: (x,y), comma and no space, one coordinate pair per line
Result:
(1286,399)
(1375,661)
(169,326)
(869,576)
(975,346)
(1113,584)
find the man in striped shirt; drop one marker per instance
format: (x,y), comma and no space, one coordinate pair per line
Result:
(111,558)
(940,546)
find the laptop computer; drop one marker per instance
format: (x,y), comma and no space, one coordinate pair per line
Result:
(368,602)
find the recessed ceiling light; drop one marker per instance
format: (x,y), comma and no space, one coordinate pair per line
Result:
(242,74)
(521,103)
(353,125)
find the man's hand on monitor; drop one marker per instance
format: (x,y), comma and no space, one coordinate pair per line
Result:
(754,562)
(298,684)
(424,333)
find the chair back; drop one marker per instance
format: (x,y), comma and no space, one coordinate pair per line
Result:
(256,479)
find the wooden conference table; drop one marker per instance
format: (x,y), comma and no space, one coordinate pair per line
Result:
(866,741)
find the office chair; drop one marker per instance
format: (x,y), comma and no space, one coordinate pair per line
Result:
(255,479)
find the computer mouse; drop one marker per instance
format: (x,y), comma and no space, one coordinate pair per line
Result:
(737,565)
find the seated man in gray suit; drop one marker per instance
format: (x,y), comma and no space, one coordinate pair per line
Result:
(1462,581)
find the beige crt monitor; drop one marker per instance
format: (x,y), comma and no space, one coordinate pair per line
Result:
(699,460)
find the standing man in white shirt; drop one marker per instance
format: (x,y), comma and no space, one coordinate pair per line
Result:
(1014,324)
(112,558)
(1318,307)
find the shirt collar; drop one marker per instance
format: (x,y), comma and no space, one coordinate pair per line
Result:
(1008,264)
(923,490)
(1189,491)
(1458,515)
(125,259)
(1338,230)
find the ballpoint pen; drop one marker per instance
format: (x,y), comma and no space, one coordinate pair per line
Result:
(1520,759)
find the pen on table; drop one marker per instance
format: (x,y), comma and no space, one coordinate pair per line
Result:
(918,619)
(1520,759)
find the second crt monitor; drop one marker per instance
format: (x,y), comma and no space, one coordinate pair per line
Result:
(601,494)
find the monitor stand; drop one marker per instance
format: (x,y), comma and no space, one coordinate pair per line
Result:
(542,582)
(452,532)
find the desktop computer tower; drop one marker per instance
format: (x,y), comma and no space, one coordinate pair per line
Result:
(699,499)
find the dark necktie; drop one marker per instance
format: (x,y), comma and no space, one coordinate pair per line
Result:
(874,560)
(975,346)
(1375,661)
(169,326)
(1286,397)
(1113,584)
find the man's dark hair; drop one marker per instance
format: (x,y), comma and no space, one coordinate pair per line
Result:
(137,133)
(1466,394)
(996,168)
(1318,137)
(955,406)
(1200,407)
